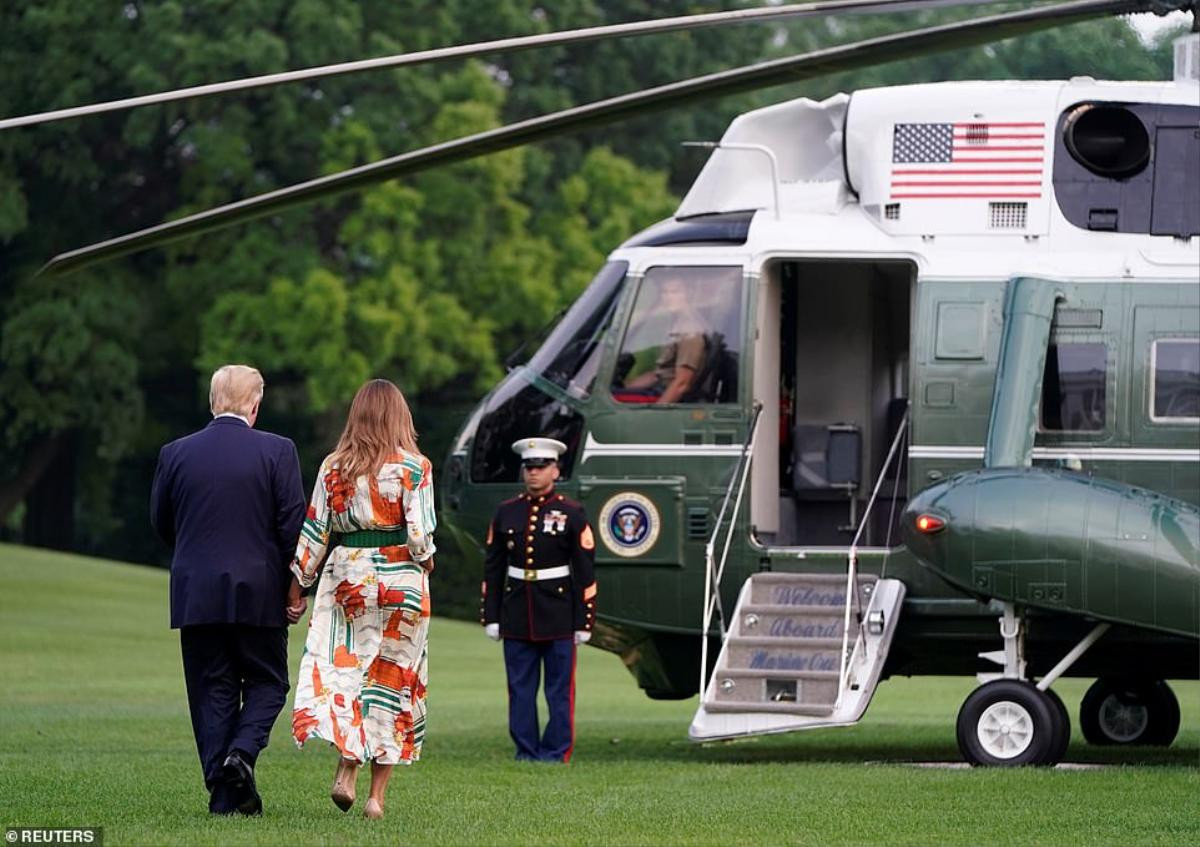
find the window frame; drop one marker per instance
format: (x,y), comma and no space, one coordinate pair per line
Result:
(1152,382)
(635,282)
(1058,339)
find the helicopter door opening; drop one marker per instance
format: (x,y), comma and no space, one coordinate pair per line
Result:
(831,371)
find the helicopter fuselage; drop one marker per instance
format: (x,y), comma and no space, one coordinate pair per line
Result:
(849,273)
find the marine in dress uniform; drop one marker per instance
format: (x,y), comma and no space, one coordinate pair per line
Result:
(539,596)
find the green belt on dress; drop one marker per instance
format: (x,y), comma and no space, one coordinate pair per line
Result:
(373,538)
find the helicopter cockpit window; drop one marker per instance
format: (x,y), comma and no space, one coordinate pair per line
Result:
(570,356)
(684,338)
(1176,380)
(1074,388)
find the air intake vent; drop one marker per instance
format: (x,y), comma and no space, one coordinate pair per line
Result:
(891,211)
(1007,215)
(697,522)
(1109,140)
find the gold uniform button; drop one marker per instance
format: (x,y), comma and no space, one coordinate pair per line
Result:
(528,549)
(529,561)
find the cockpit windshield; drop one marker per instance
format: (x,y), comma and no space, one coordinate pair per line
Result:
(570,357)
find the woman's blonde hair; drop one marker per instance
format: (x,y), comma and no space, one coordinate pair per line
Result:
(379,422)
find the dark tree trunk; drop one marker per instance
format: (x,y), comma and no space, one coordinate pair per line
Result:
(37,461)
(50,504)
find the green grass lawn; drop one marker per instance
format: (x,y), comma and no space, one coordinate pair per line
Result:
(94,731)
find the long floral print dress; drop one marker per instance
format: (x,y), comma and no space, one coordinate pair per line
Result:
(362,680)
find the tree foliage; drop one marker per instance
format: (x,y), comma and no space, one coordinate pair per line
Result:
(429,281)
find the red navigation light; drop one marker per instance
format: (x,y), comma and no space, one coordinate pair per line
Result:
(930,524)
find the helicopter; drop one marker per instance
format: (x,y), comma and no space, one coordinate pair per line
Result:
(908,385)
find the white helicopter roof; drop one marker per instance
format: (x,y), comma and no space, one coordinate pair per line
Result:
(947,169)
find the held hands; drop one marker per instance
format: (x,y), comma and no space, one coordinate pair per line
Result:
(296,604)
(492,631)
(582,636)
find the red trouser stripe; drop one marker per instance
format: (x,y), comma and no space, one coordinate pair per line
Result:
(571,702)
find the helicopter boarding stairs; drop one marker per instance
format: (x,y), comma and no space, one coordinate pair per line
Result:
(803,650)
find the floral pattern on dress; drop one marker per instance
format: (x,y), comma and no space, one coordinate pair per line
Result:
(363,677)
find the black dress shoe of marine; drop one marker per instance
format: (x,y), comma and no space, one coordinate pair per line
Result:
(239,776)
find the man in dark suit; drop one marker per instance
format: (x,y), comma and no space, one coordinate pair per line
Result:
(230,501)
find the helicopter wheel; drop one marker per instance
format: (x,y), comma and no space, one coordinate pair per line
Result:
(1129,711)
(1062,727)
(1008,722)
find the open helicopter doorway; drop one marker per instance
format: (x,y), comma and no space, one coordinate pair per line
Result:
(832,374)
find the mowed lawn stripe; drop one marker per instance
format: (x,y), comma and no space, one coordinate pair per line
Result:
(94,731)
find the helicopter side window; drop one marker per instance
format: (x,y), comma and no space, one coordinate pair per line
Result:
(1175,389)
(684,338)
(1074,388)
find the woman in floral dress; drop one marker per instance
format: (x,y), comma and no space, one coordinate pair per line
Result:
(362,680)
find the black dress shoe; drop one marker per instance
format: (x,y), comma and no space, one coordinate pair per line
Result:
(220,800)
(239,776)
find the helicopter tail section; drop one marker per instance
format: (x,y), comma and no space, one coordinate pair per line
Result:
(781,661)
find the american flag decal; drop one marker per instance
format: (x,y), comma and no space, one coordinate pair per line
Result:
(993,161)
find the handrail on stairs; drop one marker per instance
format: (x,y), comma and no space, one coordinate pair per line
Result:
(712,575)
(852,593)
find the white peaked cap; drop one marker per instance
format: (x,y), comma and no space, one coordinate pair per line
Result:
(539,448)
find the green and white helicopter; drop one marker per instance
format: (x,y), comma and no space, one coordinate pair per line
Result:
(909,384)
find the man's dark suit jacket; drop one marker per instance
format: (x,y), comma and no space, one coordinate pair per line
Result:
(230,500)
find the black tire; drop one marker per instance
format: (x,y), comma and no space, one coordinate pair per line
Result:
(1062,727)
(1007,723)
(1122,712)
(1168,728)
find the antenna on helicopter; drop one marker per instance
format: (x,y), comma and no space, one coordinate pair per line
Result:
(753,148)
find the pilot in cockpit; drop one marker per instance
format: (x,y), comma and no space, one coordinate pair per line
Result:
(681,356)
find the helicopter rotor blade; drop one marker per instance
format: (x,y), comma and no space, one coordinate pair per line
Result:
(495,47)
(861,54)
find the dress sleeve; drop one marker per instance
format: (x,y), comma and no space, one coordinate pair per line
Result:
(314,534)
(419,516)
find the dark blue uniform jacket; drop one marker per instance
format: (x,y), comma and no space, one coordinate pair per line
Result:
(539,532)
(230,501)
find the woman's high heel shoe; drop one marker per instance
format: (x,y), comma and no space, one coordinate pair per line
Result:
(344,784)
(373,810)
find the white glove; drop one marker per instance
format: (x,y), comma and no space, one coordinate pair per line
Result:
(492,631)
(582,636)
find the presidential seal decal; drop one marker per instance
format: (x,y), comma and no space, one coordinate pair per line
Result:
(629,524)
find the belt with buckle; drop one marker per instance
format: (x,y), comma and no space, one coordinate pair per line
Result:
(534,574)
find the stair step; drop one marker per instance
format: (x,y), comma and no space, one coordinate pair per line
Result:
(795,643)
(785,609)
(806,590)
(814,709)
(746,673)
(750,692)
(824,578)
(775,621)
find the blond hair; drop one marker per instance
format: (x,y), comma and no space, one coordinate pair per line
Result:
(235,388)
(379,423)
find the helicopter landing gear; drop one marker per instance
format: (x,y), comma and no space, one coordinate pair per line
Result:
(1009,721)
(1129,711)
